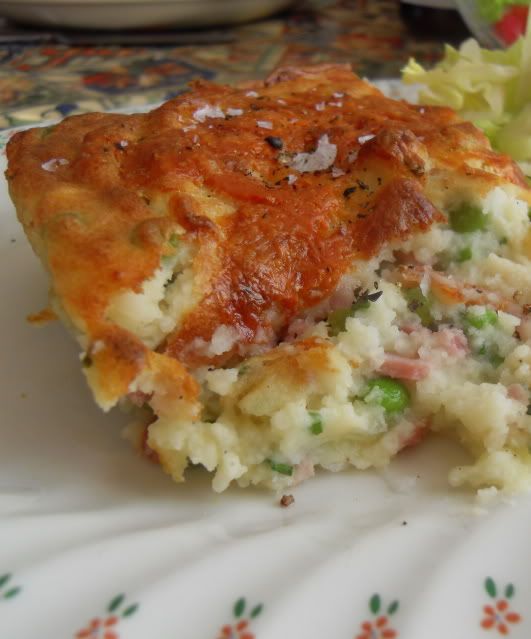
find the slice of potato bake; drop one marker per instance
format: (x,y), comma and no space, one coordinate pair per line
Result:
(297,273)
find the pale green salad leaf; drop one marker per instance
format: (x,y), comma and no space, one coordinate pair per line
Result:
(492,10)
(490,88)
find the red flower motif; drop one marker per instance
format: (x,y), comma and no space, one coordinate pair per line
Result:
(108,80)
(377,629)
(100,629)
(240,628)
(499,617)
(237,631)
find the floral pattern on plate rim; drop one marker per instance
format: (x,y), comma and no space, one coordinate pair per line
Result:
(7,590)
(498,616)
(378,626)
(107,627)
(240,628)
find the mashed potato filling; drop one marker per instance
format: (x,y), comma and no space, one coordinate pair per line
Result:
(155,311)
(433,334)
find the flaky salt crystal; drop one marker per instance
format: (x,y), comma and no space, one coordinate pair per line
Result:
(207,111)
(53,164)
(322,158)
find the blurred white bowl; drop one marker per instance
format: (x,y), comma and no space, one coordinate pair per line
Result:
(137,14)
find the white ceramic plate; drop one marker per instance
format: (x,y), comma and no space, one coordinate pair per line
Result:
(96,542)
(137,14)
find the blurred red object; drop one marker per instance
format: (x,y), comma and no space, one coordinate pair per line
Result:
(512,25)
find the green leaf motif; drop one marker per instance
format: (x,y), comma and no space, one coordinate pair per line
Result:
(116,602)
(13,592)
(256,610)
(239,607)
(4,579)
(393,607)
(490,587)
(374,604)
(509,591)
(130,610)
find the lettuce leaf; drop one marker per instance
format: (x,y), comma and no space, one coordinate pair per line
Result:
(492,10)
(490,88)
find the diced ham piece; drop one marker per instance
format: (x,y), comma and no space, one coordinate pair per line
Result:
(408,329)
(138,398)
(418,329)
(524,330)
(452,291)
(342,297)
(297,328)
(419,433)
(145,448)
(405,257)
(303,471)
(408,368)
(518,392)
(453,341)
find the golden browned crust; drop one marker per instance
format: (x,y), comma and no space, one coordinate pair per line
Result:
(101,195)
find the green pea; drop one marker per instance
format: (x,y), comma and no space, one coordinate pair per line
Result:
(360,305)
(337,320)
(464,254)
(481,320)
(243,370)
(496,359)
(492,355)
(388,393)
(283,469)
(418,303)
(316,425)
(174,240)
(167,260)
(467,219)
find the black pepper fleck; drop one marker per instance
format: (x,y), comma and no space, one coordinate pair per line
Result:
(349,191)
(275,142)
